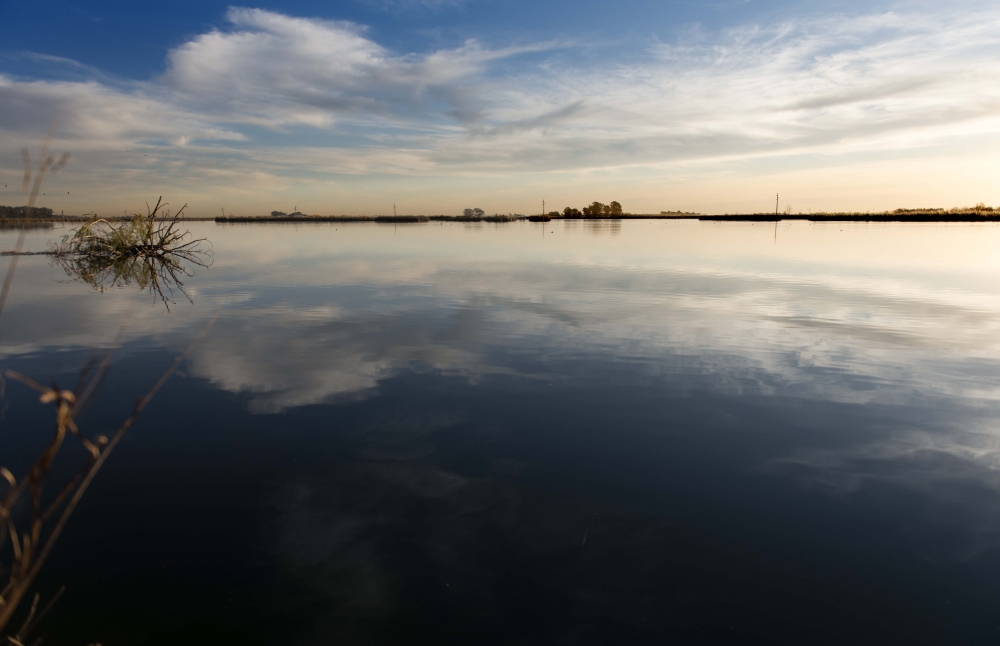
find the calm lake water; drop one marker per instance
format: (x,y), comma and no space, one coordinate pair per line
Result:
(592,433)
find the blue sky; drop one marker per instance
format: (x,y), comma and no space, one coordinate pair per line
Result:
(131,39)
(440,104)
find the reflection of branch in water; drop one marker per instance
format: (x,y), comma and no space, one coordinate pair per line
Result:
(147,251)
(160,274)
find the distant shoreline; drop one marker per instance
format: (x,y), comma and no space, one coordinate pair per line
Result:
(414,219)
(760,217)
(856,217)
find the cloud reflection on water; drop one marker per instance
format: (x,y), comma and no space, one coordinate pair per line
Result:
(861,369)
(306,322)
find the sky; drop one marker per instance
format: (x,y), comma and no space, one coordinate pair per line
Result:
(437,105)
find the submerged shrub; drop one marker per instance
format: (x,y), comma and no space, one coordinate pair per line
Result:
(149,251)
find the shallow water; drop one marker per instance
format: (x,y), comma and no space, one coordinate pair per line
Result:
(612,432)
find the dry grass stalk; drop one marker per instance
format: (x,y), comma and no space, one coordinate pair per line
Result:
(40,522)
(46,164)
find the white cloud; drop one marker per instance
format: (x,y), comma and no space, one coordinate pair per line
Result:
(275,70)
(337,102)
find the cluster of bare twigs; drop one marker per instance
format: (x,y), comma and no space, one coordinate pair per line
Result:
(148,251)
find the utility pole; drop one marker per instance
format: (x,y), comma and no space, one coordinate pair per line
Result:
(775,205)
(393,210)
(543,207)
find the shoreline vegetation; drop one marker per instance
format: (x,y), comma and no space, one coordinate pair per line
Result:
(978,213)
(40,217)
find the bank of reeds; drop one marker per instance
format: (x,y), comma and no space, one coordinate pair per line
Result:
(978,213)
(390,219)
(475,218)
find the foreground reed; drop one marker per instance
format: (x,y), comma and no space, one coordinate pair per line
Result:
(33,521)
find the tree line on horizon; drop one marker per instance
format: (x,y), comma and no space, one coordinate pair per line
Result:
(17,212)
(594,210)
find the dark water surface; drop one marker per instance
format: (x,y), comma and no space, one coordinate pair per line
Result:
(611,433)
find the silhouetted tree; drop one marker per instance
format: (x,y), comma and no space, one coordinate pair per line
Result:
(478,212)
(594,210)
(616,208)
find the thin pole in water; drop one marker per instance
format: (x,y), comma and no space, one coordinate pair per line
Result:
(775,205)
